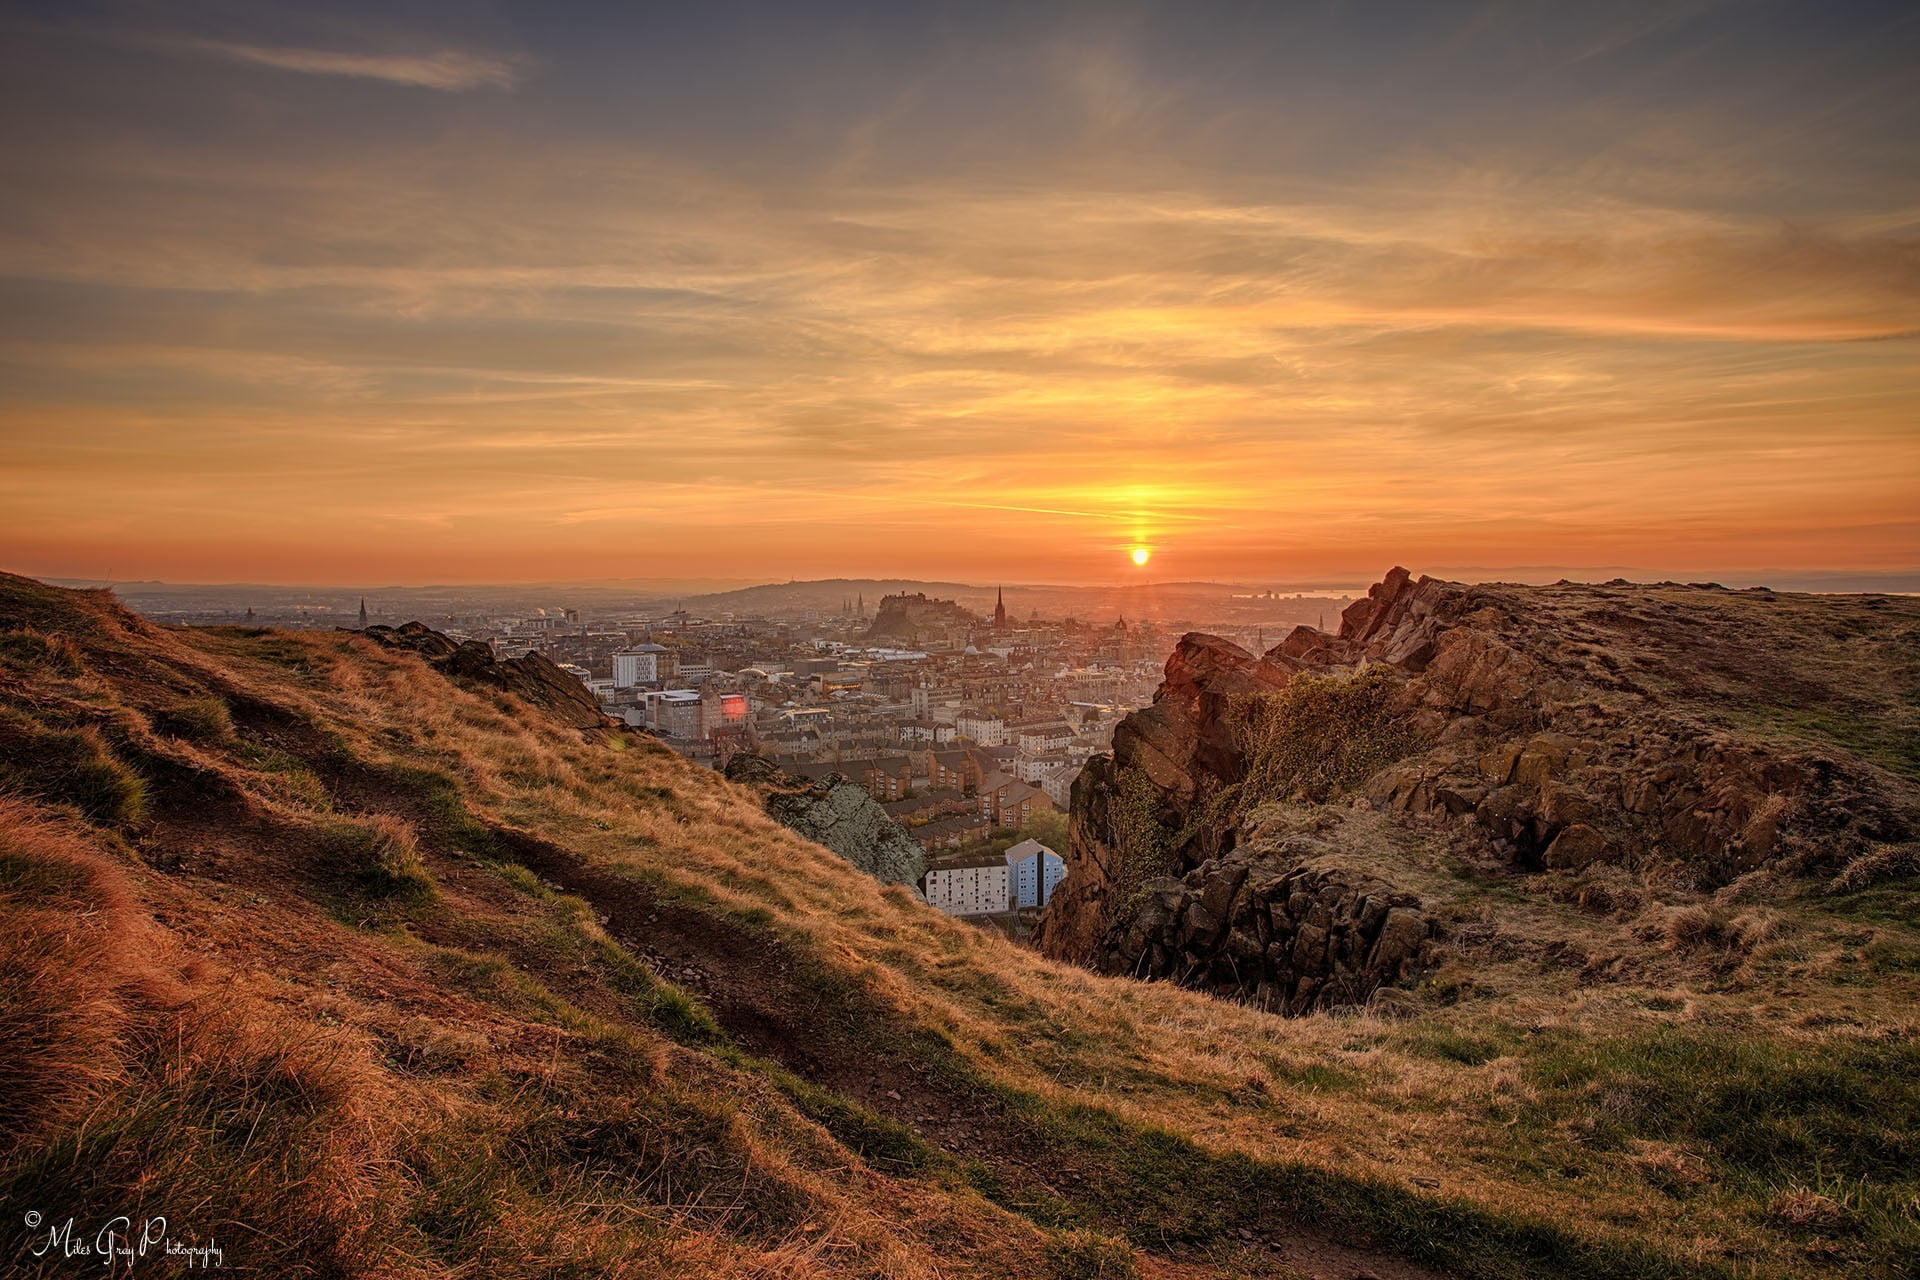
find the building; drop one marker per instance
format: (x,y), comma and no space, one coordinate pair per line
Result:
(953,770)
(1058,785)
(925,807)
(986,729)
(1008,802)
(722,711)
(1014,805)
(1037,737)
(1034,769)
(639,665)
(967,884)
(672,712)
(1032,872)
(950,831)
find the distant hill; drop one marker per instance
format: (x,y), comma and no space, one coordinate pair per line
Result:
(1197,602)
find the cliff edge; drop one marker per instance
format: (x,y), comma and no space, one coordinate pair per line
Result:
(1559,737)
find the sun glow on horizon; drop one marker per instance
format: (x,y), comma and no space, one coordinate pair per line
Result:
(905,328)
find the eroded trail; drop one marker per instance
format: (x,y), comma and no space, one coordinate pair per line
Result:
(774,1004)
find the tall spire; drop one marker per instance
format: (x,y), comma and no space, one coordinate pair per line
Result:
(363,613)
(1000,610)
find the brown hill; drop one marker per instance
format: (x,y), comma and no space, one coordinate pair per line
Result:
(361,967)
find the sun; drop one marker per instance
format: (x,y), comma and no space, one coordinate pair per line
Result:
(1141,555)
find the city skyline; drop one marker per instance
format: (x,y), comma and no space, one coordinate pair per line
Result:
(501,293)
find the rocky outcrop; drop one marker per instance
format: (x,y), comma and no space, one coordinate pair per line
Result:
(1184,750)
(533,677)
(837,812)
(1274,928)
(1552,724)
(909,616)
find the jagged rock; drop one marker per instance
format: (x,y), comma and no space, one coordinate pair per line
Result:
(1184,745)
(1271,926)
(1540,745)
(837,812)
(533,677)
(1577,846)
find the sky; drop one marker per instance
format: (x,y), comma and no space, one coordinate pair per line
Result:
(482,292)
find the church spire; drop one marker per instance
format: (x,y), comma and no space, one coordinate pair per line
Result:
(363,613)
(1000,610)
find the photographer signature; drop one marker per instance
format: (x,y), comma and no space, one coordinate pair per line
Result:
(118,1241)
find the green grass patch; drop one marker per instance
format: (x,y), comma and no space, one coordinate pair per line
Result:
(1886,739)
(1766,1111)
(33,651)
(1090,1255)
(70,766)
(381,860)
(203,719)
(1447,1044)
(433,800)
(1163,1188)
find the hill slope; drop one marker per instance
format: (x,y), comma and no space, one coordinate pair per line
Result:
(360,969)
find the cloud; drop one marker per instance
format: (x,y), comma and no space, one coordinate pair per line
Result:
(448,70)
(562,333)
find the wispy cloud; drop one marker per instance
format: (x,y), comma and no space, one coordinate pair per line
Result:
(681,311)
(448,70)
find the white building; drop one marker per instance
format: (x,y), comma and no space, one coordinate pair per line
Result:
(638,665)
(1035,769)
(1033,870)
(967,884)
(988,731)
(1038,737)
(1058,784)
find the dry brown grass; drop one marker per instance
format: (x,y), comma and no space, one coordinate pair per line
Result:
(503,1076)
(406,1092)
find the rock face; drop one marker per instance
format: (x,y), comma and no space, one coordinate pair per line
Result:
(838,813)
(533,677)
(1183,745)
(1273,928)
(1563,727)
(905,617)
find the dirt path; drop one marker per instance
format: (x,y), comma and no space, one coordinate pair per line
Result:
(751,984)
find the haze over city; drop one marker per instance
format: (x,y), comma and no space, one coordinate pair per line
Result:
(496,292)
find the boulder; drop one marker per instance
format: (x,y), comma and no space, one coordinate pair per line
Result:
(1275,927)
(837,812)
(1577,846)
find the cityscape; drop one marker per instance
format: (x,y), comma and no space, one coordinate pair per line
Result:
(960,640)
(967,728)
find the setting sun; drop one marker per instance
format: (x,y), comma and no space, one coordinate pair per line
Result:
(1141,555)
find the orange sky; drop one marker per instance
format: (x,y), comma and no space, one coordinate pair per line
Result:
(510,297)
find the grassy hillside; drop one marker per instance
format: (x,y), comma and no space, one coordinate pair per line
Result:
(363,973)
